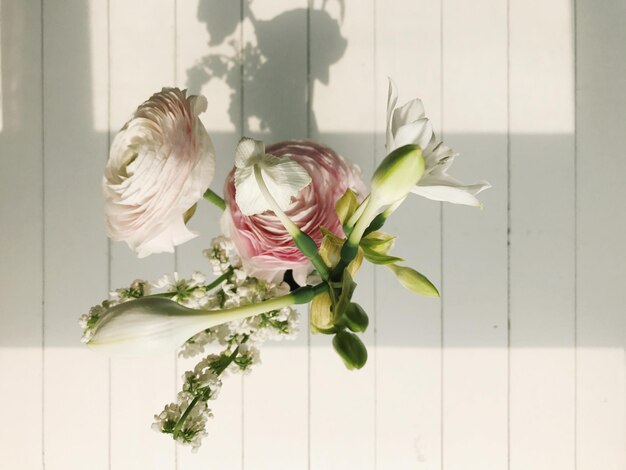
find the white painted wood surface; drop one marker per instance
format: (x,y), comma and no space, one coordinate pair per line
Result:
(520,366)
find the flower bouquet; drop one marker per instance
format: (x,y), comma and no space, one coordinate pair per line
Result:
(297,222)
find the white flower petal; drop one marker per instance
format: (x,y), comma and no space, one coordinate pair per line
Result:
(248,195)
(392,99)
(449,190)
(153,324)
(408,125)
(175,234)
(419,132)
(198,103)
(248,149)
(300,275)
(284,178)
(439,158)
(408,112)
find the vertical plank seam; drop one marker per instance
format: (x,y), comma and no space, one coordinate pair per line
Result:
(575,187)
(508,234)
(176,251)
(242,131)
(43,246)
(309,110)
(109,251)
(441,254)
(375,274)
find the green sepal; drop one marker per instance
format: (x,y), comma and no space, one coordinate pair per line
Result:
(412,280)
(189,213)
(328,233)
(378,258)
(346,205)
(379,242)
(351,349)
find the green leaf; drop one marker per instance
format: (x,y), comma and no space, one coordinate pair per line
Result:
(346,205)
(414,281)
(378,258)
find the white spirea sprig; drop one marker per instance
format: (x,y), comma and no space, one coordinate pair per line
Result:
(240,340)
(186,418)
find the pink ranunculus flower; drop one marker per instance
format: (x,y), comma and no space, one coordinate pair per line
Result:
(265,246)
(160,165)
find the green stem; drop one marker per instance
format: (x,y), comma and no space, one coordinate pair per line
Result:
(181,421)
(210,196)
(222,278)
(356,215)
(302,295)
(381,218)
(304,243)
(208,287)
(351,246)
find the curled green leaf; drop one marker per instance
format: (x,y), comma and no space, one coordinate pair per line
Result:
(377,258)
(347,289)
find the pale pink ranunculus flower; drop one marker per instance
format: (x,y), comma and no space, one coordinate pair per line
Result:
(264,245)
(160,165)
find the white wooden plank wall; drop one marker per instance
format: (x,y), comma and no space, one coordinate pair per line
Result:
(520,366)
(192,43)
(75,384)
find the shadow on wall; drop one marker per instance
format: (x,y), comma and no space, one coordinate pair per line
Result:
(266,63)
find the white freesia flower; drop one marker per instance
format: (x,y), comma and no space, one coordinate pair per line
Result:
(408,125)
(283,177)
(160,164)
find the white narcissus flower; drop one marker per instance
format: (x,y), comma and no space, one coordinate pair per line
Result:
(283,177)
(160,165)
(408,125)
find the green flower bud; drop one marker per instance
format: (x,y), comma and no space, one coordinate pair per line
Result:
(355,318)
(351,349)
(414,281)
(397,174)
